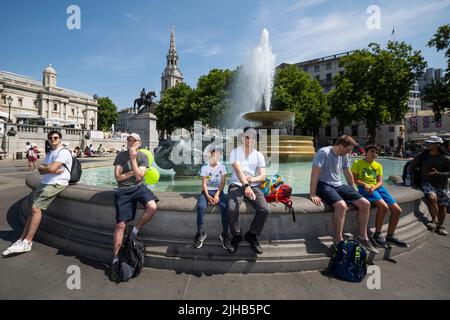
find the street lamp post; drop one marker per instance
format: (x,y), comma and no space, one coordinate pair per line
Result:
(10,100)
(92,123)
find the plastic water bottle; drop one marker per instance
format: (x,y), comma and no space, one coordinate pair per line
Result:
(408,180)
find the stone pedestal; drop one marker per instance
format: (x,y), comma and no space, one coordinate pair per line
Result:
(144,124)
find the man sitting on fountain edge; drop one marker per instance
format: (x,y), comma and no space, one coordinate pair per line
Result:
(248,173)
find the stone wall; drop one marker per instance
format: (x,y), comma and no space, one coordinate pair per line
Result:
(15,145)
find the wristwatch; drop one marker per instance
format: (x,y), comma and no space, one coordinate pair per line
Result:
(246,185)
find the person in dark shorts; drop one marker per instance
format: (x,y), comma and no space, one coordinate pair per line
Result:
(129,171)
(434,164)
(326,185)
(368,176)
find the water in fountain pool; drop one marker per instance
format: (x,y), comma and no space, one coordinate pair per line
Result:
(295,174)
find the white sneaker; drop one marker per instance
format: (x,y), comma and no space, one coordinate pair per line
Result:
(18,247)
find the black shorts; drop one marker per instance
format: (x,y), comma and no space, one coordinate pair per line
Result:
(126,201)
(330,194)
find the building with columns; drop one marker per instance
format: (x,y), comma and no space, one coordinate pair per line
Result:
(44,103)
(172,74)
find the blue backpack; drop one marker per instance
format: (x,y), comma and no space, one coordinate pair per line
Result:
(349,261)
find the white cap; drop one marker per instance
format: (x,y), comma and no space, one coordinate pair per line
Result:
(135,136)
(434,139)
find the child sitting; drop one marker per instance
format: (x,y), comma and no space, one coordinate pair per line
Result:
(368,176)
(213,181)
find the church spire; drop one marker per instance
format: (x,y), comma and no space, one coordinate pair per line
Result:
(171,75)
(172,39)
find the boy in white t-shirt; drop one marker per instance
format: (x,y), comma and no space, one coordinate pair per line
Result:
(213,181)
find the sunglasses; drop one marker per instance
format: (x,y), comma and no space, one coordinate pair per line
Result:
(53,138)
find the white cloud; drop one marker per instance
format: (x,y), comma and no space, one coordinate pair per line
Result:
(301,4)
(212,51)
(115,62)
(310,37)
(131,17)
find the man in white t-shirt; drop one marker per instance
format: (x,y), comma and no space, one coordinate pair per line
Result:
(248,173)
(56,176)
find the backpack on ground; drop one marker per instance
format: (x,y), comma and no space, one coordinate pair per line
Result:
(275,190)
(349,261)
(131,258)
(75,171)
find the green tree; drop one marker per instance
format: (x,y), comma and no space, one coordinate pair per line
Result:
(438,92)
(375,86)
(210,96)
(107,113)
(175,110)
(295,91)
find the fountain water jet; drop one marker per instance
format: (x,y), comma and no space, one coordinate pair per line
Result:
(260,71)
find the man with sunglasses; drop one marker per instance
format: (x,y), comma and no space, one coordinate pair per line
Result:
(55,178)
(129,171)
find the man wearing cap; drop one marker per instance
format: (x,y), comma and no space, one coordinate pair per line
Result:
(248,173)
(129,171)
(434,164)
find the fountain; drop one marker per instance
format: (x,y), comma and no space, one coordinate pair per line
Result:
(81,219)
(260,70)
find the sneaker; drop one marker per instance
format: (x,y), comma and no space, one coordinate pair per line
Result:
(366,244)
(234,244)
(394,240)
(379,240)
(432,225)
(225,239)
(254,243)
(441,230)
(199,238)
(19,246)
(332,250)
(114,272)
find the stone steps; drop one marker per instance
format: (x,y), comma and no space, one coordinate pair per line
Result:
(278,256)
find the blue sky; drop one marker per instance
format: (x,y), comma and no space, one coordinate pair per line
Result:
(122,45)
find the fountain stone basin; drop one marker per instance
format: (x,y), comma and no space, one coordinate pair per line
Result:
(289,148)
(268,118)
(81,221)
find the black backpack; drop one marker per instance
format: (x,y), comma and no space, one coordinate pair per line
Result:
(349,261)
(75,171)
(131,258)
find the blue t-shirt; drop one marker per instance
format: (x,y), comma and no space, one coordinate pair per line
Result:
(330,165)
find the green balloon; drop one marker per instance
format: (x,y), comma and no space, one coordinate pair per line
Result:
(149,155)
(151,176)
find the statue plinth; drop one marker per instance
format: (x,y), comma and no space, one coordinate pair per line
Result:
(144,124)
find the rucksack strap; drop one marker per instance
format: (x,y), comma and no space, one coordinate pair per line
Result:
(290,208)
(63,162)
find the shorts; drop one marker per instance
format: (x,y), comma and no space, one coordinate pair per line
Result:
(379,194)
(442,196)
(330,194)
(126,201)
(44,195)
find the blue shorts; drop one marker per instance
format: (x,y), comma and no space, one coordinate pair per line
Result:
(442,197)
(379,194)
(127,198)
(330,194)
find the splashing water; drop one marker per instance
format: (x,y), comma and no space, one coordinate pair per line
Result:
(252,89)
(261,69)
